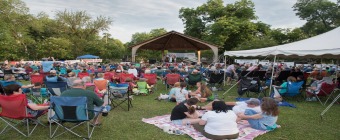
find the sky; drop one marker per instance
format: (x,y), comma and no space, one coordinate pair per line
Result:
(131,16)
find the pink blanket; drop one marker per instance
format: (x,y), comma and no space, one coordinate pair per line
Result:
(246,132)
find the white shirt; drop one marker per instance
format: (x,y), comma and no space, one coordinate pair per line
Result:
(220,123)
(240,107)
(180,95)
(133,71)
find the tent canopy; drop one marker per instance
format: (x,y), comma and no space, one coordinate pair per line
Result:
(88,56)
(326,45)
(175,41)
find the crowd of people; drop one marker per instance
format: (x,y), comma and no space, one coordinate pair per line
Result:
(220,118)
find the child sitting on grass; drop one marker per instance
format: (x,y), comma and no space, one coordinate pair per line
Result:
(265,120)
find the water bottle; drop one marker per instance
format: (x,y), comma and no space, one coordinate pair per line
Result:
(216,95)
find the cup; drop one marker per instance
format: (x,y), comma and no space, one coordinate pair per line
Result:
(166,127)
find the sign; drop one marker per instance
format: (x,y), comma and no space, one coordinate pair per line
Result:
(247,61)
(182,55)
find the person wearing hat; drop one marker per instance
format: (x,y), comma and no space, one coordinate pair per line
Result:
(53,77)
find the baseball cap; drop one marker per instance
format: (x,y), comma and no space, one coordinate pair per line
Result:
(253,101)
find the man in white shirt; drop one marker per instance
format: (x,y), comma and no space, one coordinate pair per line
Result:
(133,71)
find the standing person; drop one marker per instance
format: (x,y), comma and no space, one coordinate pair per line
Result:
(185,113)
(220,123)
(181,94)
(47,65)
(265,120)
(231,72)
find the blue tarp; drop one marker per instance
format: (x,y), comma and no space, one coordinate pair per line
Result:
(88,56)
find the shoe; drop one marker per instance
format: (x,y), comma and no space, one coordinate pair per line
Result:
(105,112)
(314,99)
(308,99)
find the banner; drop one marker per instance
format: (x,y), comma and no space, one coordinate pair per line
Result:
(247,61)
(182,55)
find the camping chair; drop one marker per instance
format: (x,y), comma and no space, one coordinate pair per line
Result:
(293,89)
(171,79)
(63,71)
(250,84)
(70,110)
(124,76)
(36,79)
(101,85)
(143,87)
(326,89)
(56,88)
(109,76)
(151,79)
(282,76)
(216,78)
(37,95)
(119,94)
(194,78)
(83,74)
(14,112)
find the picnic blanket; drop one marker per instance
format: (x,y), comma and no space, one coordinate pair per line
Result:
(282,103)
(246,132)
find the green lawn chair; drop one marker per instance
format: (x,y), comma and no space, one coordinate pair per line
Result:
(143,87)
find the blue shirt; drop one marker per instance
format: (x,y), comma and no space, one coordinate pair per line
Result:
(47,65)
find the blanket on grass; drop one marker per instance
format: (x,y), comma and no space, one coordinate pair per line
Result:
(246,132)
(283,103)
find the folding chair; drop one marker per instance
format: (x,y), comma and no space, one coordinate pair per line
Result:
(282,76)
(37,78)
(143,87)
(293,89)
(123,90)
(14,112)
(72,110)
(193,79)
(37,95)
(151,79)
(171,79)
(124,76)
(56,88)
(326,89)
(250,84)
(216,78)
(83,74)
(109,76)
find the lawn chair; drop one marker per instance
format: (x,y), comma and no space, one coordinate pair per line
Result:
(326,90)
(14,112)
(70,110)
(143,87)
(193,79)
(124,76)
(249,85)
(282,77)
(37,95)
(293,89)
(151,79)
(216,78)
(101,85)
(83,74)
(171,79)
(36,79)
(119,94)
(109,76)
(56,88)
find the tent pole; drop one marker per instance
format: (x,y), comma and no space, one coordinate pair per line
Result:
(271,80)
(225,69)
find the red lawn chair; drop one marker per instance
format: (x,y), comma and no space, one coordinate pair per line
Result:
(14,112)
(151,79)
(37,78)
(171,79)
(123,77)
(83,74)
(326,89)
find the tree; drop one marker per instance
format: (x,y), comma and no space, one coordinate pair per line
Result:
(81,28)
(321,15)
(226,26)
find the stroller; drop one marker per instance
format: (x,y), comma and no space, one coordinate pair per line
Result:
(250,84)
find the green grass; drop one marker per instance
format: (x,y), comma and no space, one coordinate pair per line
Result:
(302,122)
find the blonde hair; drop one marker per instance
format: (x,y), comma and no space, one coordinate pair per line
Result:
(177,84)
(291,79)
(100,75)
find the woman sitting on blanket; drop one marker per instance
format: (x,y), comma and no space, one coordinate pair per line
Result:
(220,123)
(185,113)
(203,93)
(265,120)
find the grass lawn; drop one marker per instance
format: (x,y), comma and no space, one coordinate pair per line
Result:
(302,122)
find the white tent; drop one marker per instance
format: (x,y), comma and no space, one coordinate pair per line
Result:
(326,45)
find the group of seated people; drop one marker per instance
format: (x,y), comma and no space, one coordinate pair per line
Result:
(221,118)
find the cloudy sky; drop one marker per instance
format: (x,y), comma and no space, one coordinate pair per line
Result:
(131,16)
